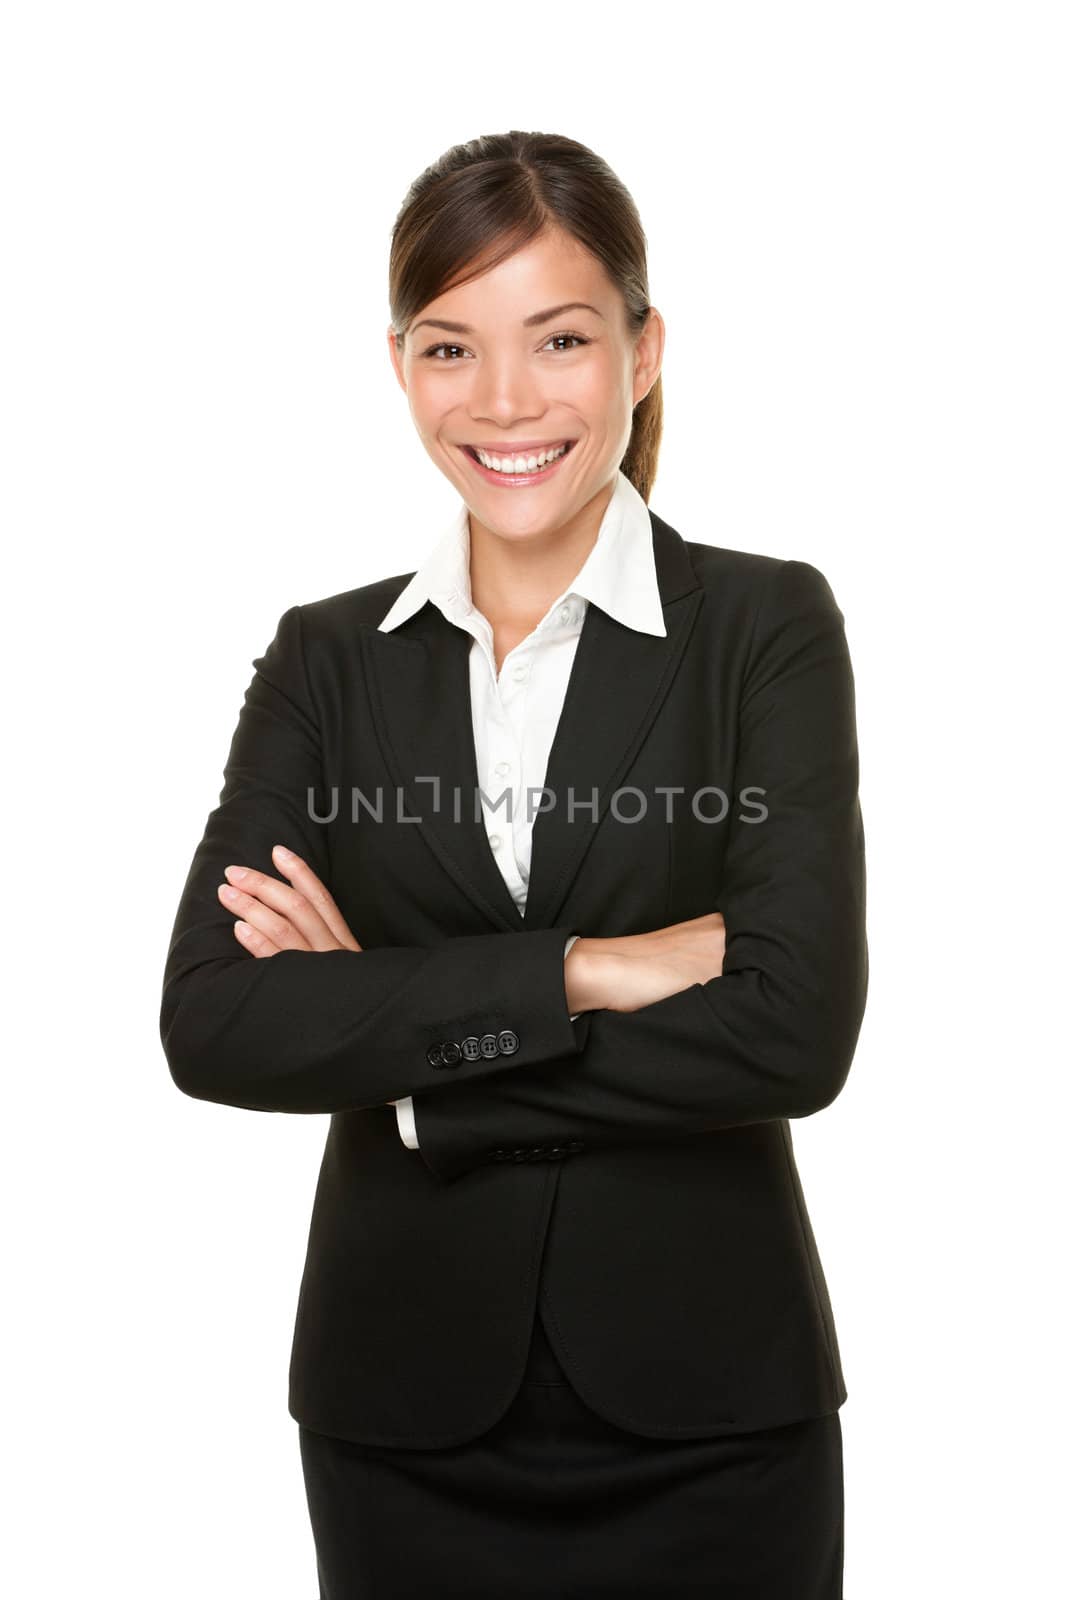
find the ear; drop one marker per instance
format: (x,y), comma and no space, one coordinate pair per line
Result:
(396,358)
(648,354)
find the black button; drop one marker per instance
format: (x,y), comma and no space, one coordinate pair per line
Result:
(450,1053)
(434,1057)
(537,1152)
(471,1047)
(488,1045)
(508,1041)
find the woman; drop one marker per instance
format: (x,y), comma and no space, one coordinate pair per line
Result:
(562,1329)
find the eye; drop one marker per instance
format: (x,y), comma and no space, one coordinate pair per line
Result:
(575,336)
(432,352)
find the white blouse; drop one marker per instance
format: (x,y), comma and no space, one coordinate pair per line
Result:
(516,713)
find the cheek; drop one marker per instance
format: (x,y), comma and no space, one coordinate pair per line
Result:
(598,391)
(430,398)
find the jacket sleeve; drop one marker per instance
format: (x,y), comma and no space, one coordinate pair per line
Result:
(774,1036)
(405,1109)
(314,1031)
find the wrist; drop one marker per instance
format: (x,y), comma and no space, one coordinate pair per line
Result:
(585,972)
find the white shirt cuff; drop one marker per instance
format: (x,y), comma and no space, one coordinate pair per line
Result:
(405,1121)
(571,942)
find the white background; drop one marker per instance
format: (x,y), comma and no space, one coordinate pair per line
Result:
(856,226)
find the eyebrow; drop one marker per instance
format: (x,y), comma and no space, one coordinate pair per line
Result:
(533,321)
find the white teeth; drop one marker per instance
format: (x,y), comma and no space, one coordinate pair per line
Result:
(520,464)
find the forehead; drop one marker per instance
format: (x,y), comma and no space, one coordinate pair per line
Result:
(553,269)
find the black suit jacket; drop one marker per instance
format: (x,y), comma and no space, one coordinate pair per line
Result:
(632,1170)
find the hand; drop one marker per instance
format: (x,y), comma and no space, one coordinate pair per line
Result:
(277,917)
(635,970)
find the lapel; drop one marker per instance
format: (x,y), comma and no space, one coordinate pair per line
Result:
(418,678)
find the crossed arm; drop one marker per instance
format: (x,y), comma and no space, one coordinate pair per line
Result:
(772,1037)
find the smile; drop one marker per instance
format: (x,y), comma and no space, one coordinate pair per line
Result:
(522,468)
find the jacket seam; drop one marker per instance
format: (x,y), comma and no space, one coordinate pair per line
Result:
(746,670)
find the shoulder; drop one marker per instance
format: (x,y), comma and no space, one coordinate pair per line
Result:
(350,608)
(314,634)
(752,575)
(741,584)
(766,611)
(732,579)
(737,573)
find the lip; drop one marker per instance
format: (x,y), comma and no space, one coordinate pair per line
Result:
(520,480)
(518,446)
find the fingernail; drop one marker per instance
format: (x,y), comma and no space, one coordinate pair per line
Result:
(280,850)
(227,893)
(236,872)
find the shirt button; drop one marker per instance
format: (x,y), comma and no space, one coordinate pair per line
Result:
(565,613)
(494,840)
(520,673)
(503,768)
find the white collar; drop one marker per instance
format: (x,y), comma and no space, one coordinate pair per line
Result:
(619,573)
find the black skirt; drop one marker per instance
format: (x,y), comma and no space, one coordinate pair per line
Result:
(555,1503)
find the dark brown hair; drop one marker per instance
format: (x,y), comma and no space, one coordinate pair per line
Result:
(484,200)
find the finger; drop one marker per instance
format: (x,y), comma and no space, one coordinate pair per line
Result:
(281,932)
(253,940)
(277,897)
(315,892)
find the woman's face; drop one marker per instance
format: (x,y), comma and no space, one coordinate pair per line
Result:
(509,362)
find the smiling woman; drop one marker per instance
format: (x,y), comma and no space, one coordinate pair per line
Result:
(563,1327)
(554,342)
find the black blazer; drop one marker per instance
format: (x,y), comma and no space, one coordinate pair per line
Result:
(632,1171)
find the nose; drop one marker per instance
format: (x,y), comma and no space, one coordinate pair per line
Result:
(506,392)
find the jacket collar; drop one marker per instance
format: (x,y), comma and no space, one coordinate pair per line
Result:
(418,678)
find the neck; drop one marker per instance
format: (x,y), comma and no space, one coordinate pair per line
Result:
(515,580)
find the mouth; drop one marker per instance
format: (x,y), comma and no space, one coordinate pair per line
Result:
(518,480)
